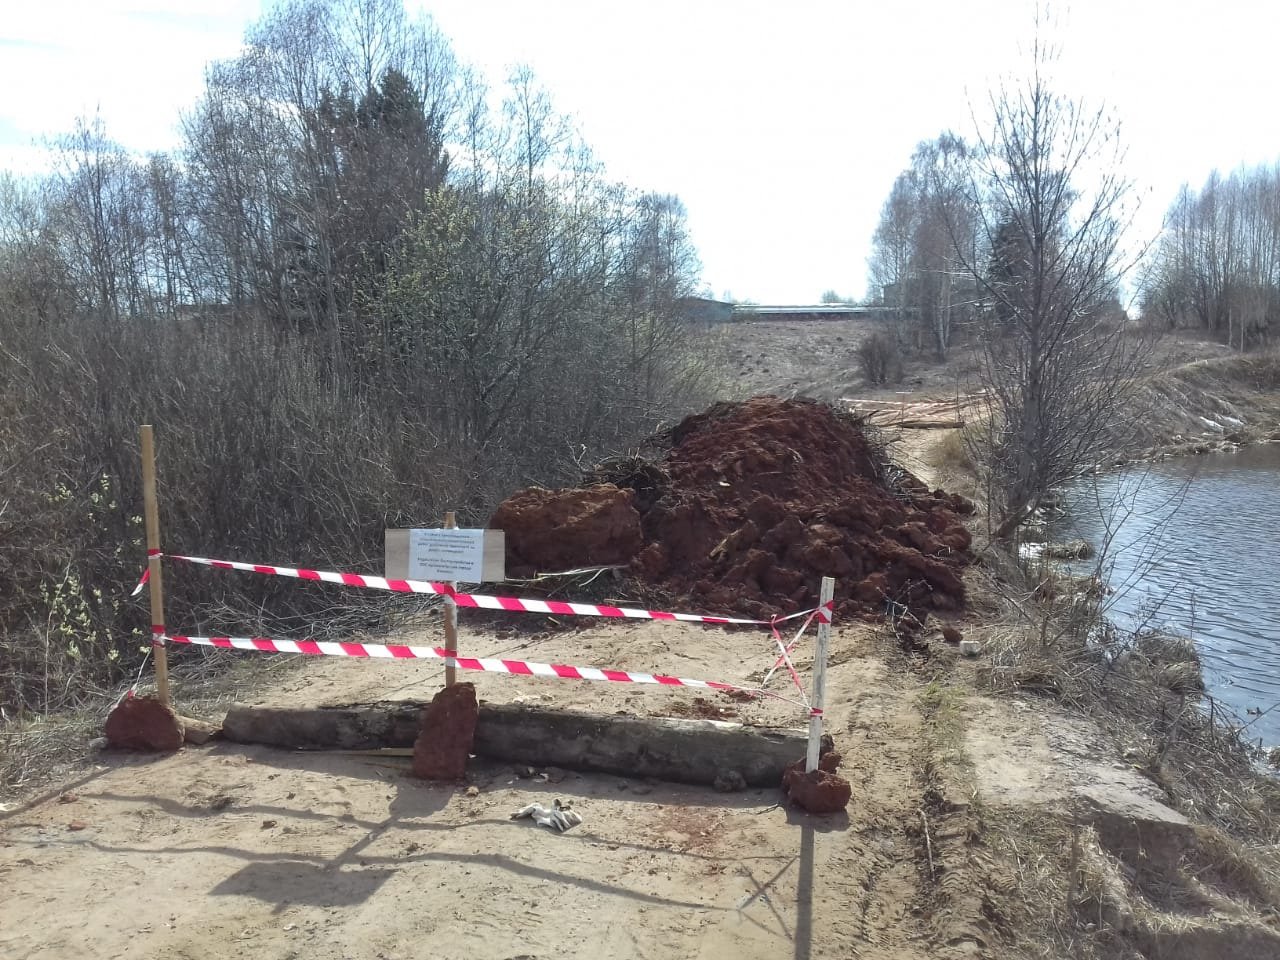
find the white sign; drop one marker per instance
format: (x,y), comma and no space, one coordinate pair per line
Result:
(446,555)
(439,553)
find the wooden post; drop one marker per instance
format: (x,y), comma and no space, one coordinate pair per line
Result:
(818,696)
(450,618)
(151,512)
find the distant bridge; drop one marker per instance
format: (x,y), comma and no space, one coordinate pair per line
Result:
(821,311)
(706,310)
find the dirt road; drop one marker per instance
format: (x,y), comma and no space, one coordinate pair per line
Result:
(229,851)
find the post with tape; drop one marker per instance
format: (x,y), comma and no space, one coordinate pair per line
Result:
(151,513)
(818,696)
(451,618)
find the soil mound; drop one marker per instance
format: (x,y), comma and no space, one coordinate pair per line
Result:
(750,506)
(823,790)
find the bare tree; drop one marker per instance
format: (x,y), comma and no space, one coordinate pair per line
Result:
(1060,358)
(892,248)
(925,236)
(1217,264)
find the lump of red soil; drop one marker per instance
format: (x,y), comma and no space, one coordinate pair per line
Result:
(143,723)
(446,735)
(550,530)
(822,791)
(750,507)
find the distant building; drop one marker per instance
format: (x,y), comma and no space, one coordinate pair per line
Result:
(704,310)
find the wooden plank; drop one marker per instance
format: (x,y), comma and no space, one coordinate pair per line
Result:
(929,424)
(682,751)
(450,619)
(151,511)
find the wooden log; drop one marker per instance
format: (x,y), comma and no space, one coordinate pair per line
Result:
(360,726)
(682,751)
(198,732)
(935,424)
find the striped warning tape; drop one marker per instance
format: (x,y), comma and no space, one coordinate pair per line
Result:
(489,665)
(482,601)
(785,652)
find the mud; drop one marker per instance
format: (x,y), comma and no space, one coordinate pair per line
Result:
(447,734)
(143,723)
(750,506)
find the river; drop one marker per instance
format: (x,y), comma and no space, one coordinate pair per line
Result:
(1195,547)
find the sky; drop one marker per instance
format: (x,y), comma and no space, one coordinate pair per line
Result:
(781,125)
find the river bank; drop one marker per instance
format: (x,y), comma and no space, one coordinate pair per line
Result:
(1210,405)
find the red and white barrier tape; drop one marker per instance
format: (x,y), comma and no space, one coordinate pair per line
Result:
(488,665)
(484,602)
(785,654)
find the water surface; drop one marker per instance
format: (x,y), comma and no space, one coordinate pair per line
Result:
(1195,547)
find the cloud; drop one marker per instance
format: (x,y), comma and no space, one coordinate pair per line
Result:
(137,63)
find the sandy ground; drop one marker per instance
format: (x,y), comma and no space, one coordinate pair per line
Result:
(233,851)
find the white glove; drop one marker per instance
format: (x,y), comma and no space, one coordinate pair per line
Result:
(561,817)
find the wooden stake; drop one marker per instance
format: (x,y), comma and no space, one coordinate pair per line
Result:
(818,696)
(151,512)
(450,618)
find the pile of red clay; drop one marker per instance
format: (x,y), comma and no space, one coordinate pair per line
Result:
(752,504)
(823,790)
(144,723)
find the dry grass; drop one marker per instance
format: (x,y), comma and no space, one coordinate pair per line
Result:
(952,452)
(39,751)
(1046,884)
(1072,896)
(1059,891)
(1239,392)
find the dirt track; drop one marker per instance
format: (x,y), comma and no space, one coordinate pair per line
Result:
(229,851)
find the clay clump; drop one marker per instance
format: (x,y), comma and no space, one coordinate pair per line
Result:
(821,791)
(447,733)
(143,723)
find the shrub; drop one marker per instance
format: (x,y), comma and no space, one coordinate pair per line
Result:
(880,359)
(260,457)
